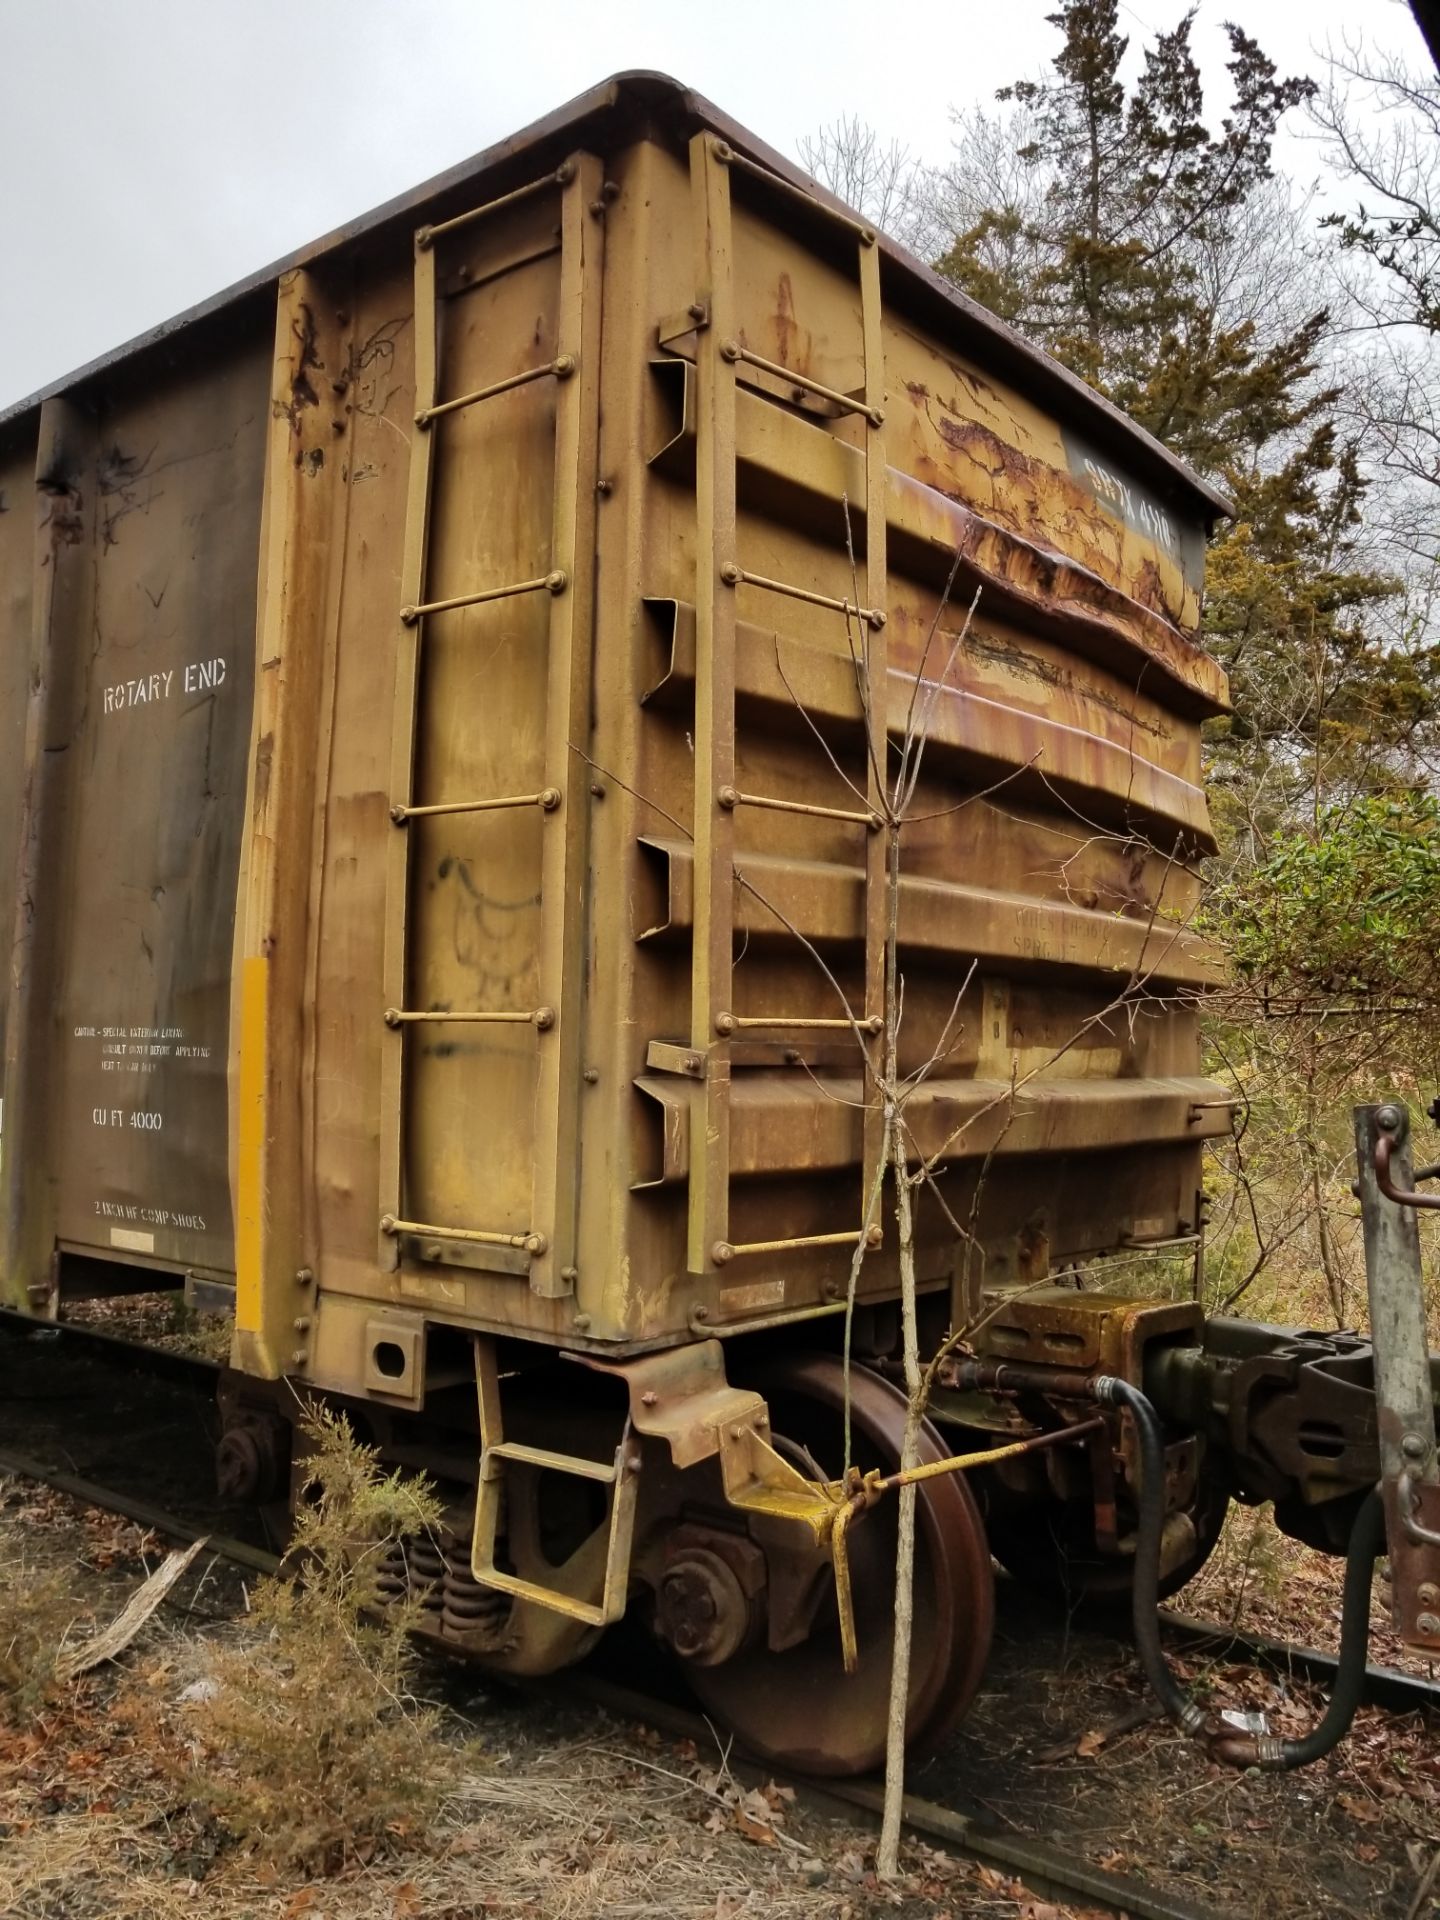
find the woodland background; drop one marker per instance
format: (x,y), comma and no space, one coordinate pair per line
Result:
(1286,343)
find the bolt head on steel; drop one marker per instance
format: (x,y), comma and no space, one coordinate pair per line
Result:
(1389,1118)
(1429,1625)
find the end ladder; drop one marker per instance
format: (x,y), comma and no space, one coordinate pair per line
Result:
(564,575)
(720,356)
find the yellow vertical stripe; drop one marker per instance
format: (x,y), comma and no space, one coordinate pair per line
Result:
(250,1176)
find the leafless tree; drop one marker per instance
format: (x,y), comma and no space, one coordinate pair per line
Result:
(882,179)
(1379,127)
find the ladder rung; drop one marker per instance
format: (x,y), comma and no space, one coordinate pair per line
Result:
(574,1463)
(468,1236)
(555,581)
(724,1251)
(561,177)
(561,368)
(547,799)
(724,151)
(731,1022)
(734,576)
(541,1017)
(732,797)
(733,351)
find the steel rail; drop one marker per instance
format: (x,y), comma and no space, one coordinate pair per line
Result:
(167,1525)
(114,1348)
(1384,1687)
(1049,1869)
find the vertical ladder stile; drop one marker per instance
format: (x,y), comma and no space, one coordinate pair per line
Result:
(878,657)
(402,749)
(715,547)
(564,858)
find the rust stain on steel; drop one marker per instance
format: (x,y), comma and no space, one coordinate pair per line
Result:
(1069,585)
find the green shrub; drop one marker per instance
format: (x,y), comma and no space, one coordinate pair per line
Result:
(312,1746)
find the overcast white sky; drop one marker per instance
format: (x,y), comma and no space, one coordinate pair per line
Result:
(154,151)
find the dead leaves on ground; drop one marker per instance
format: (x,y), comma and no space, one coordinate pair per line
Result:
(757,1815)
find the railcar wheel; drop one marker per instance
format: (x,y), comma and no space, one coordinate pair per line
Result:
(1050,1548)
(798,1707)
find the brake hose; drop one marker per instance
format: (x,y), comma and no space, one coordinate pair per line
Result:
(1233,1746)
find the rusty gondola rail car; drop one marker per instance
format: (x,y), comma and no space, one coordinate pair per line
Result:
(413,663)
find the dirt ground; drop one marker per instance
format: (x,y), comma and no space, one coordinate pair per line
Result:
(558,1813)
(567,1813)
(1065,1740)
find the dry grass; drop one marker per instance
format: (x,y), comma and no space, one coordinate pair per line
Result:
(565,1832)
(107,1810)
(38,1607)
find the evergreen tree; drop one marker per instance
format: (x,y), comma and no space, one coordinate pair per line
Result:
(1107,261)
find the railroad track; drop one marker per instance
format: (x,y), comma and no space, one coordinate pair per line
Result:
(1048,1870)
(1051,1870)
(1385,1687)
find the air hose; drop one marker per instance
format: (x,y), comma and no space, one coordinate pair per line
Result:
(1233,1746)
(1367,1541)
